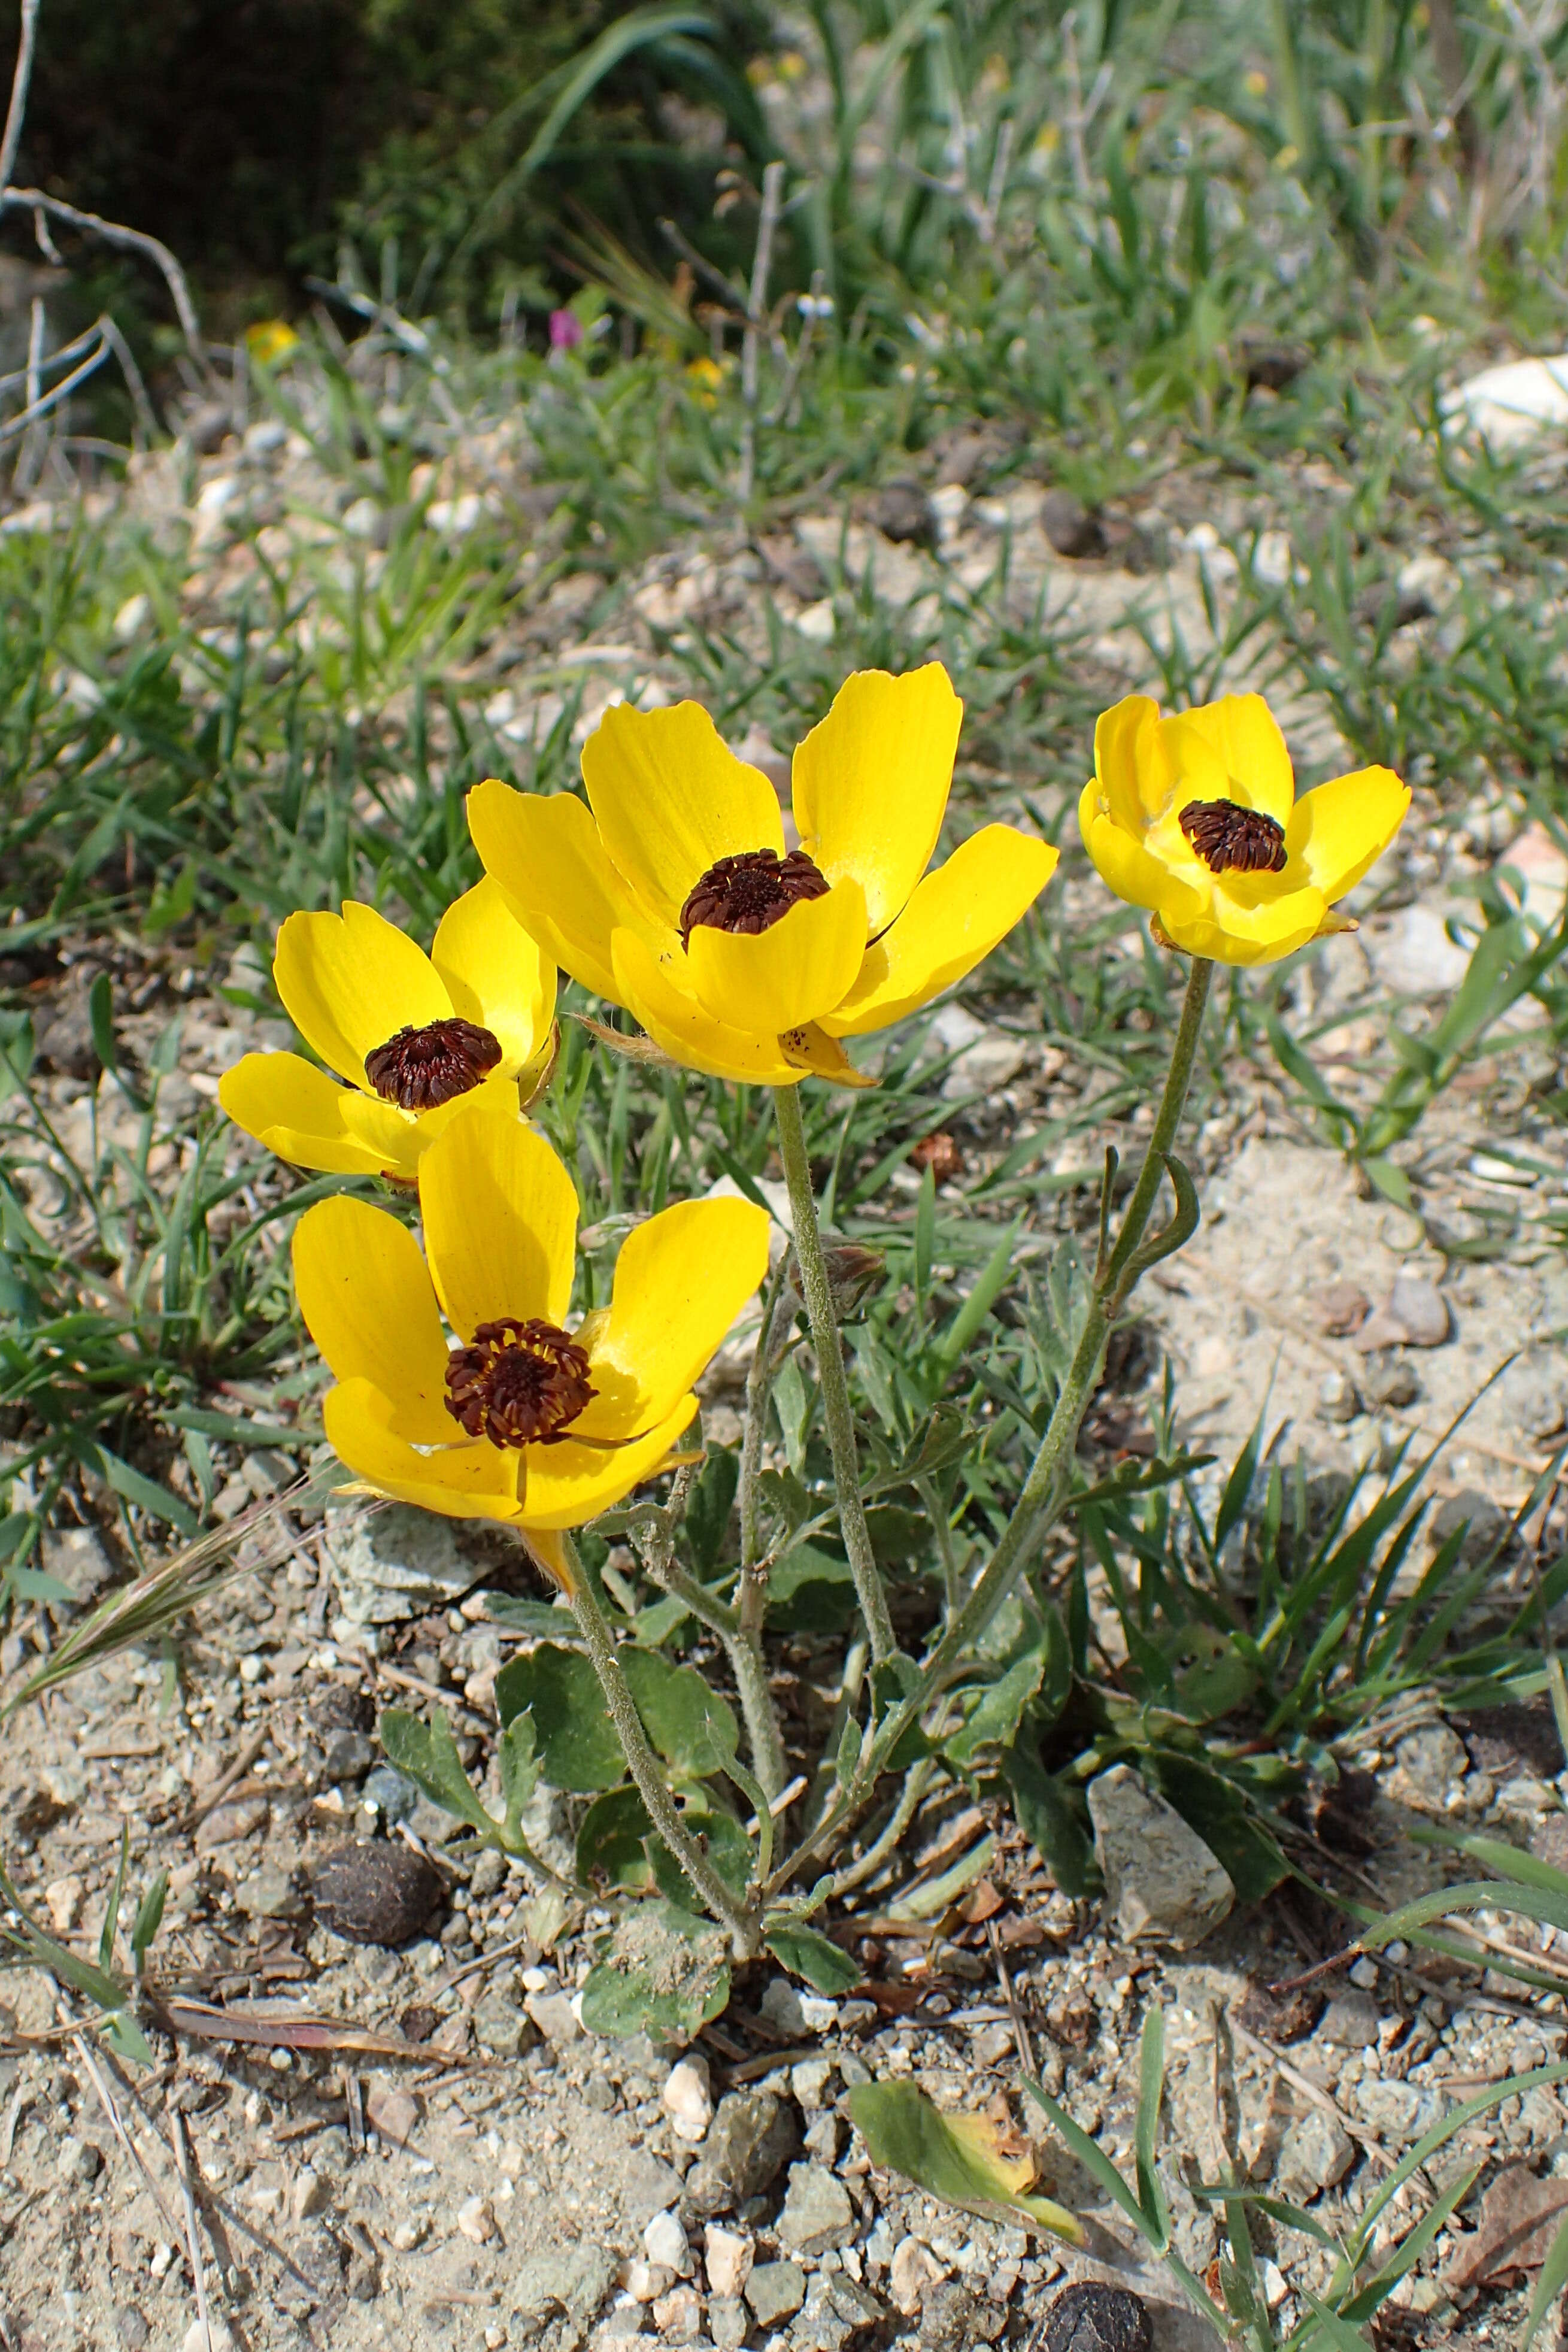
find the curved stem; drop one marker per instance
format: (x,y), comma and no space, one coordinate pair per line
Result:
(830,1356)
(1043,1490)
(646,1771)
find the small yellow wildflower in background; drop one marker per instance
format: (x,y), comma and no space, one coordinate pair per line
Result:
(414,1036)
(522,1421)
(672,893)
(1196,817)
(705,376)
(270,340)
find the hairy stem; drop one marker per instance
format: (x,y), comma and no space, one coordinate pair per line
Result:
(647,1772)
(830,1356)
(1044,1488)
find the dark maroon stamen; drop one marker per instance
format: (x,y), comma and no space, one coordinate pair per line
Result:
(1234,840)
(750,893)
(518,1383)
(420,1069)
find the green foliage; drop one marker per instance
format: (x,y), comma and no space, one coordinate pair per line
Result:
(662,1970)
(952,2158)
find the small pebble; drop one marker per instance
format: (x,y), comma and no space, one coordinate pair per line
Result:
(476,2221)
(687,2100)
(664,2242)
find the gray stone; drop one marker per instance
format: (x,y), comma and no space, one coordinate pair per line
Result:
(1161,1884)
(1350,2021)
(1314,2154)
(1485,1526)
(1432,1760)
(395,1563)
(1337,1397)
(130,2327)
(1093,2317)
(1072,527)
(752,2136)
(349,1756)
(726,2322)
(902,511)
(552,2013)
(1388,1381)
(488,1874)
(392,1793)
(1413,1314)
(648,2187)
(576,2279)
(824,2137)
(1399,2111)
(774,2291)
(267,1893)
(817,2215)
(500,2025)
(77,1557)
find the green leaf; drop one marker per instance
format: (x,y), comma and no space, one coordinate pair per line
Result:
(115,1897)
(794,1403)
(708,1509)
(427,1753)
(665,1972)
(100,1019)
(1548,2286)
(690,1727)
(1151,2090)
(519,1769)
(955,2158)
(573,1735)
(146,1493)
(825,1966)
(611,1842)
(849,1752)
(809,1592)
(149,1919)
(1050,1820)
(992,1714)
(1091,2156)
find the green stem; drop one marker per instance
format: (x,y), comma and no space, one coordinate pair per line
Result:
(645,1770)
(830,1356)
(1044,1488)
(763,1736)
(751,1594)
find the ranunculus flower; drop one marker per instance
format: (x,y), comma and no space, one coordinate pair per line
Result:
(516,1417)
(671,891)
(416,1037)
(1196,817)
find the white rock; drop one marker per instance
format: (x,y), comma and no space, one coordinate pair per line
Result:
(1428,579)
(1273,561)
(64,1899)
(913,2269)
(1162,1882)
(817,2015)
(949,504)
(818,622)
(310,2194)
(453,517)
(729,2257)
(644,2282)
(664,2241)
(361,518)
(476,2221)
(686,2098)
(1513,405)
(198,2340)
(132,618)
(1412,953)
(678,2316)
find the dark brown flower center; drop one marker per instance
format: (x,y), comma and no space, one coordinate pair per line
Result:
(518,1383)
(750,892)
(1234,840)
(422,1067)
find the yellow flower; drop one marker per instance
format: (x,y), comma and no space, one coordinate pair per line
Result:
(416,1035)
(270,340)
(671,893)
(521,1420)
(1196,817)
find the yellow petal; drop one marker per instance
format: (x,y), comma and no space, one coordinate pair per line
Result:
(495,974)
(685,1031)
(549,1553)
(792,972)
(822,1056)
(1340,829)
(547,856)
(500,1222)
(1229,933)
(680,1281)
(870,782)
(670,799)
(566,1486)
(297,1110)
(470,1480)
(1133,872)
(350,981)
(1135,776)
(366,1296)
(954,920)
(1246,758)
